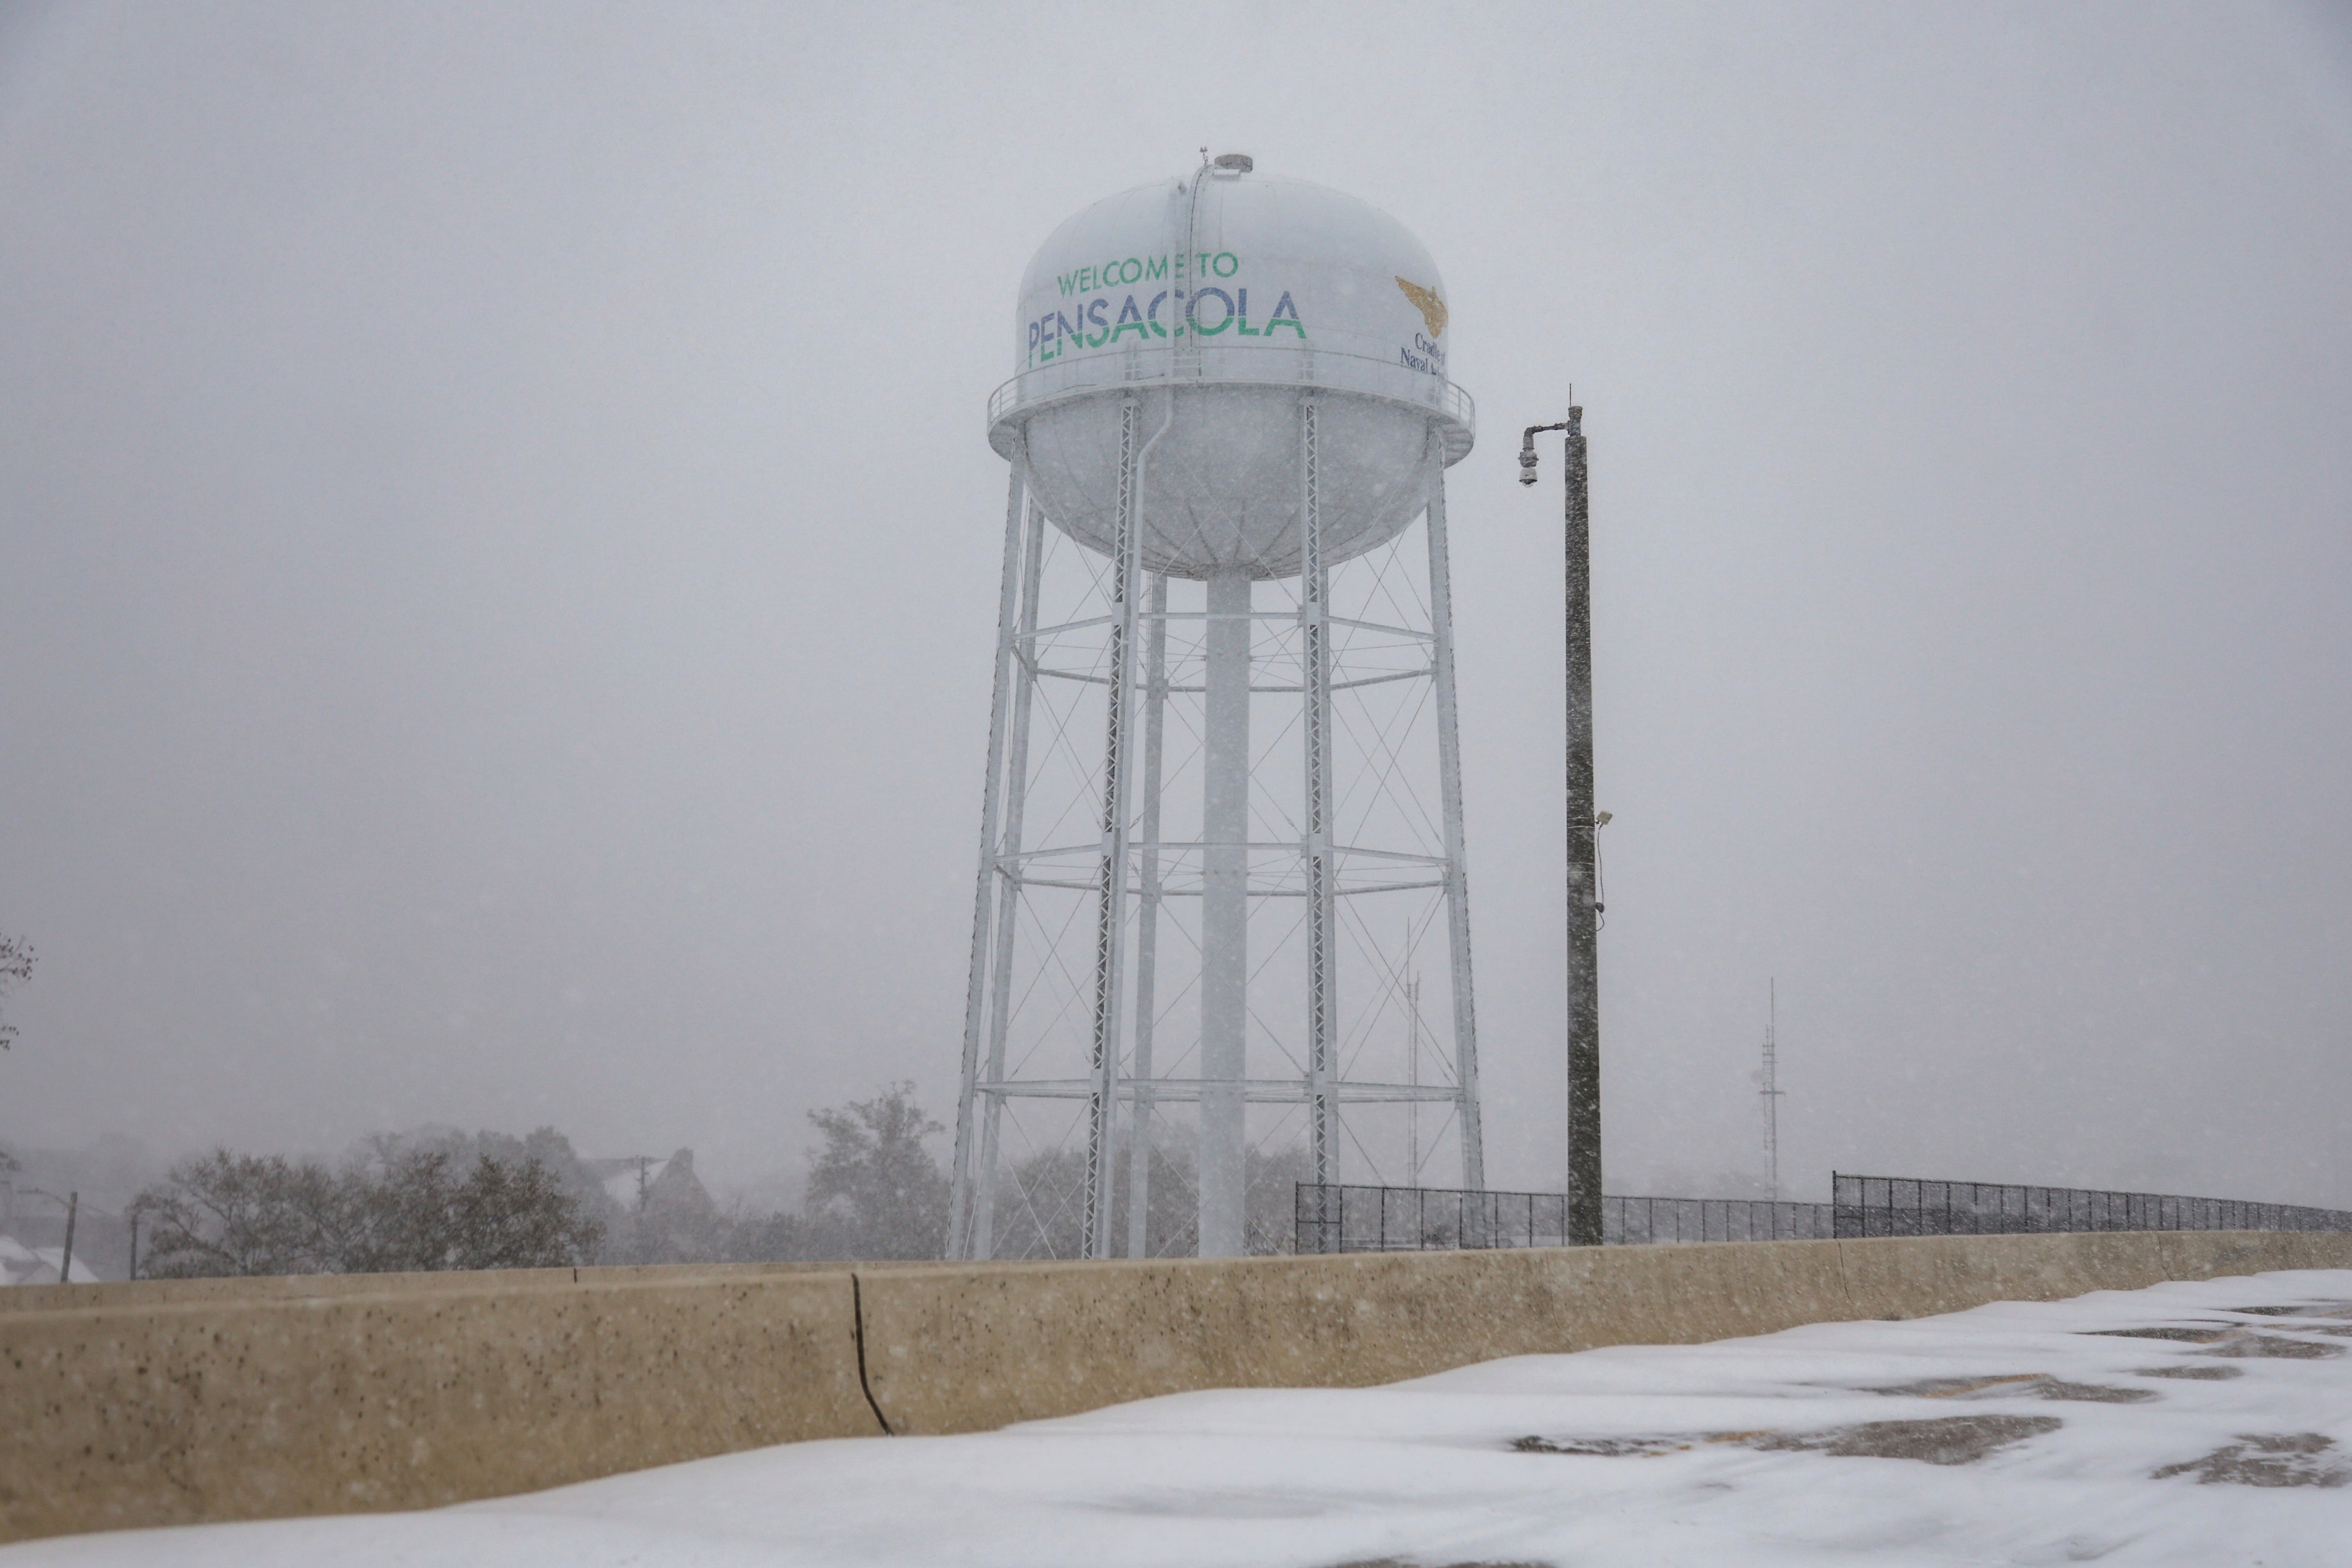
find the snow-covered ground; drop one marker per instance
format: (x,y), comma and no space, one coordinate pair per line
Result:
(2017,1433)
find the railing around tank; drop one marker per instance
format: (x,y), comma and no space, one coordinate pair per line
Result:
(1286,366)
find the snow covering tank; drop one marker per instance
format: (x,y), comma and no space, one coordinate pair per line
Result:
(1222,296)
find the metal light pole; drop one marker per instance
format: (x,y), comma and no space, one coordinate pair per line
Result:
(1770,1077)
(1584,1229)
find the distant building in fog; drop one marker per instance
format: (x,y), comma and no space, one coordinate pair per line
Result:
(23,1265)
(640,1184)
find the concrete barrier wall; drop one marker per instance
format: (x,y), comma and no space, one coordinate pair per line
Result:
(131,1413)
(162,1403)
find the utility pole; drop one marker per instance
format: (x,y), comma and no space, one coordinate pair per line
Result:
(1584,1227)
(72,1204)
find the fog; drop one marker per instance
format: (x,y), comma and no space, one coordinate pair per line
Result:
(497,555)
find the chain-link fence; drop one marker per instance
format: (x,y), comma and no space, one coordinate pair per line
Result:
(1339,1219)
(1908,1206)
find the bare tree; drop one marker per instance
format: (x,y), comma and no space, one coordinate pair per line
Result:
(230,1214)
(406,1210)
(874,1190)
(15,968)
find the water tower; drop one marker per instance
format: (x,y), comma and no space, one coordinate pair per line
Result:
(1222,929)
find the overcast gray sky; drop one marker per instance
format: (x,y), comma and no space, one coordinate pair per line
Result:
(498,554)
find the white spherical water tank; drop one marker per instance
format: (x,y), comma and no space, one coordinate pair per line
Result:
(1226,293)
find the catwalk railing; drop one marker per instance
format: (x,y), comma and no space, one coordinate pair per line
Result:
(1906,1206)
(1338,1218)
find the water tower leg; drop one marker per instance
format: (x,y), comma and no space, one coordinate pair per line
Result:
(976,989)
(1016,805)
(1224,912)
(1457,877)
(1315,686)
(1118,768)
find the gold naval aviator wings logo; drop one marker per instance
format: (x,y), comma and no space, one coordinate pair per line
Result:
(1425,300)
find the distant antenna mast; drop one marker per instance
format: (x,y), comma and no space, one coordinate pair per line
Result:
(1771,1081)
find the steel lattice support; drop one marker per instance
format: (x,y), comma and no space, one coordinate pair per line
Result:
(1166,923)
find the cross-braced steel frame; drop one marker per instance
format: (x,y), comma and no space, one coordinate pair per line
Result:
(1088,948)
